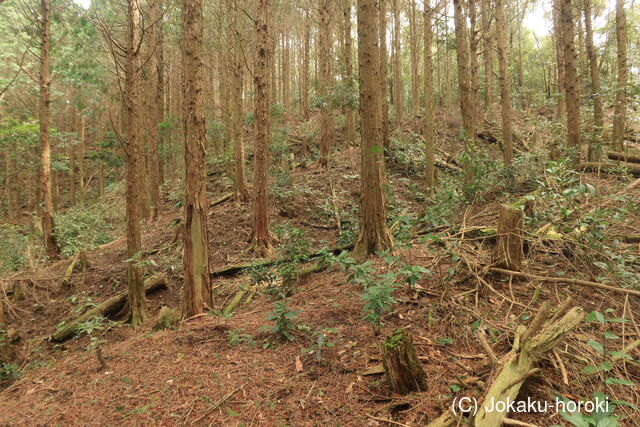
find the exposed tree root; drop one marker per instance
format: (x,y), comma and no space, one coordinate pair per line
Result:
(112,305)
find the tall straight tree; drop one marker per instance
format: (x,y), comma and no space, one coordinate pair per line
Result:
(463,70)
(46,214)
(136,307)
(619,117)
(373,233)
(153,113)
(197,288)
(429,118)
(595,76)
(397,63)
(571,89)
(326,118)
(304,98)
(560,106)
(237,111)
(384,69)
(348,70)
(260,237)
(505,92)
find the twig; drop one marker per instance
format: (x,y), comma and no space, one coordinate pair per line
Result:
(386,420)
(487,348)
(521,378)
(216,405)
(563,370)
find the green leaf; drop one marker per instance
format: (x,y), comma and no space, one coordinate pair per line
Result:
(610,335)
(619,381)
(596,346)
(620,355)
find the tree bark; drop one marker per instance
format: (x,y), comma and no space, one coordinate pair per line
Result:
(572,95)
(197,288)
(136,305)
(474,67)
(509,250)
(487,53)
(153,113)
(619,116)
(415,54)
(397,64)
(595,72)
(505,92)
(559,59)
(348,72)
(463,71)
(46,214)
(403,371)
(429,118)
(373,232)
(384,71)
(305,67)
(237,120)
(326,118)
(260,237)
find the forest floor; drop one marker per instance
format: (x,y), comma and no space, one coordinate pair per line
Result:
(232,370)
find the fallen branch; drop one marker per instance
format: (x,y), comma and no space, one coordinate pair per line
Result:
(112,305)
(607,167)
(624,157)
(565,280)
(221,199)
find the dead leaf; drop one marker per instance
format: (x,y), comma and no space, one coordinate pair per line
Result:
(374,370)
(299,366)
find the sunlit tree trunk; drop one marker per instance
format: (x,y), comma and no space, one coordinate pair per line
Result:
(373,233)
(429,119)
(136,305)
(326,117)
(260,237)
(572,96)
(46,213)
(620,112)
(197,288)
(505,92)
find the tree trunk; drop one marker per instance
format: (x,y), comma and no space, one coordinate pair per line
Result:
(153,114)
(136,305)
(463,71)
(505,93)
(619,117)
(160,92)
(413,37)
(474,67)
(260,237)
(559,59)
(286,74)
(384,72)
(373,234)
(348,72)
(305,67)
(81,150)
(237,120)
(403,371)
(326,119)
(197,288)
(487,54)
(429,118)
(595,82)
(572,96)
(46,214)
(397,64)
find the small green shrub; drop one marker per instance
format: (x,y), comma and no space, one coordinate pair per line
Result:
(8,372)
(282,317)
(13,248)
(84,227)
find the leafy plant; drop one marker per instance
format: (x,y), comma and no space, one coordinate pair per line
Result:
(237,336)
(282,317)
(601,416)
(9,371)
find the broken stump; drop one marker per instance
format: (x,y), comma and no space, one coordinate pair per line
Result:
(402,368)
(509,250)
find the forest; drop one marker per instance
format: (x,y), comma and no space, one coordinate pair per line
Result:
(320,212)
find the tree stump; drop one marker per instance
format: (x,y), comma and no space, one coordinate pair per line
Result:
(402,368)
(509,250)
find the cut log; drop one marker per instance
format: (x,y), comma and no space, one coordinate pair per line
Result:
(222,199)
(509,250)
(605,167)
(110,306)
(402,368)
(624,157)
(545,331)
